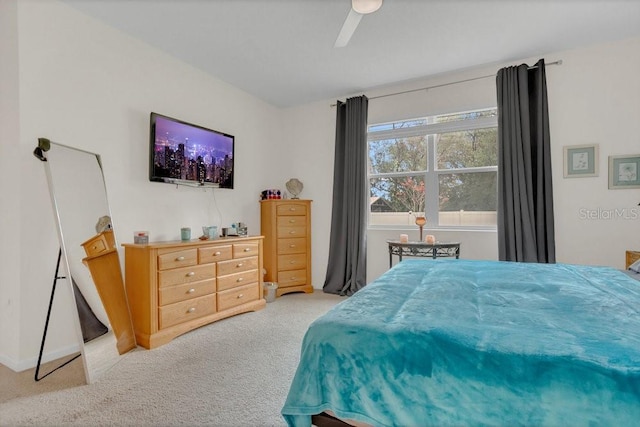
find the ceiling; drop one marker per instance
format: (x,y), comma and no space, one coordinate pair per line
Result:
(282,52)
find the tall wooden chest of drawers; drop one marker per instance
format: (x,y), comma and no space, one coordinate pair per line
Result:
(174,287)
(286,227)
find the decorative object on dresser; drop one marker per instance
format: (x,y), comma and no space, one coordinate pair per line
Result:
(272,193)
(294,186)
(286,227)
(175,287)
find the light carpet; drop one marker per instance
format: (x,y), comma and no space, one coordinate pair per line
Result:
(234,372)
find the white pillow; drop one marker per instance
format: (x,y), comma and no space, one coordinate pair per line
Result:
(635,266)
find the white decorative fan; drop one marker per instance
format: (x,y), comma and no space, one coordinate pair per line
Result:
(359,8)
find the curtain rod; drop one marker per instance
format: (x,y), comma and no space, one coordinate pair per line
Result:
(558,62)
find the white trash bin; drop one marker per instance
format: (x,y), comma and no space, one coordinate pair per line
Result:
(270,288)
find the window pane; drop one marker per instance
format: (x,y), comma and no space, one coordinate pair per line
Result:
(468,198)
(397,125)
(466,149)
(398,155)
(456,151)
(466,116)
(396,200)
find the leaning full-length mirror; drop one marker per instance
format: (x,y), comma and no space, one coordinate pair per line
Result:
(91,261)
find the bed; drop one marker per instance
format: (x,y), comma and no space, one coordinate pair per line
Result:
(460,342)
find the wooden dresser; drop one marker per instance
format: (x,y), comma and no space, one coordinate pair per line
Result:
(175,287)
(286,227)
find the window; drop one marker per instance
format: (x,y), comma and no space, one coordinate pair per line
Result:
(444,167)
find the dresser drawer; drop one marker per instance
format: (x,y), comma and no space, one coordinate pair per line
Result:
(292,221)
(238,279)
(184,311)
(237,296)
(292,246)
(194,273)
(291,232)
(214,254)
(243,250)
(292,278)
(292,262)
(291,209)
(174,259)
(96,246)
(237,265)
(99,243)
(171,294)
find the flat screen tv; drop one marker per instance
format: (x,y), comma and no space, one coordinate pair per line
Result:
(184,153)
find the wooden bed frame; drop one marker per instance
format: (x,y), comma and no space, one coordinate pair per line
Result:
(328,419)
(631,257)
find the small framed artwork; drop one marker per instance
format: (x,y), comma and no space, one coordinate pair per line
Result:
(580,161)
(624,171)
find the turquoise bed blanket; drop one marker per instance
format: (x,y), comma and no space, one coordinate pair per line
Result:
(458,342)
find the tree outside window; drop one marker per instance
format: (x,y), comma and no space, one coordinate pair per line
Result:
(443,166)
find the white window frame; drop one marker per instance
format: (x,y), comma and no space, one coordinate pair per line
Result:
(431,174)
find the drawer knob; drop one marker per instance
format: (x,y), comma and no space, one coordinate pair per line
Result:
(240,296)
(190,291)
(292,221)
(191,273)
(292,262)
(240,279)
(180,258)
(292,209)
(191,310)
(247,249)
(294,278)
(239,264)
(217,253)
(292,246)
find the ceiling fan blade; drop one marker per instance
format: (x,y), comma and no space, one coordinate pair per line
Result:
(348,28)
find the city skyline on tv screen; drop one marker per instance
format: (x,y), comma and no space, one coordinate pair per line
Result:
(187,152)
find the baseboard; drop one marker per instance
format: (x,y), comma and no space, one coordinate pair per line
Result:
(25,364)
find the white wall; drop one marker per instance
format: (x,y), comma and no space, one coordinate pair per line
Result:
(594,97)
(89,86)
(10,242)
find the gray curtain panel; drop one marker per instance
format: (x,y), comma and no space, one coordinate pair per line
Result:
(346,270)
(525,197)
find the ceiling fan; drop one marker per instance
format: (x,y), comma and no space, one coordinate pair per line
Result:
(359,8)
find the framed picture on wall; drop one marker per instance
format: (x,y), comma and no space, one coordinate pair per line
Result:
(624,171)
(580,161)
